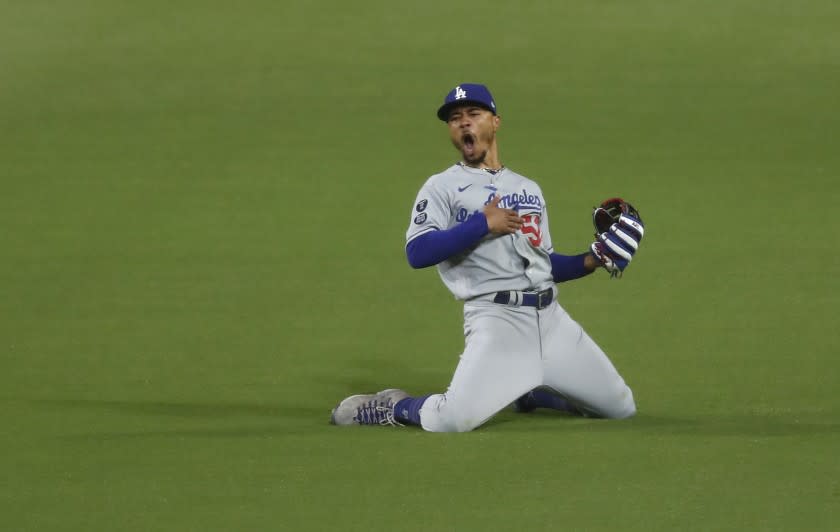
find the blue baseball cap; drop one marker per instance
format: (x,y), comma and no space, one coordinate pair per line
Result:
(467,93)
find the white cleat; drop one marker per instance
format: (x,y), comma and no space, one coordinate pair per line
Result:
(366,409)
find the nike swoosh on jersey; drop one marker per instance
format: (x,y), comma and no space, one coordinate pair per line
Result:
(461,189)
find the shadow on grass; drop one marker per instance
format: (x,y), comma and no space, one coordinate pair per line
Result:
(159,419)
(230,419)
(184,409)
(279,419)
(736,425)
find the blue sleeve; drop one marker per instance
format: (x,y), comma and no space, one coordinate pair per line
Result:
(433,247)
(566,268)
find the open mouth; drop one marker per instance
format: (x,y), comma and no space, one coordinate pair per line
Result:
(468,143)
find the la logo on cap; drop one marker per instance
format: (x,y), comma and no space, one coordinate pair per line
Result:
(460,93)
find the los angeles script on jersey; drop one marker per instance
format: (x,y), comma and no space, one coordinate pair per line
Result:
(522,203)
(528,205)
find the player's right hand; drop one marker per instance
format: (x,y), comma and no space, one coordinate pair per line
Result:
(501,221)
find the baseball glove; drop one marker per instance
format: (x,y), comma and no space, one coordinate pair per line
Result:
(618,231)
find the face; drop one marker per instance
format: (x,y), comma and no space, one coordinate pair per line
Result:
(473,131)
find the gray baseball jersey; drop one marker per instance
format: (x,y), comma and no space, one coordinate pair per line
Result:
(518,261)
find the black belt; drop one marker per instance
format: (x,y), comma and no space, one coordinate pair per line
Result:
(525,299)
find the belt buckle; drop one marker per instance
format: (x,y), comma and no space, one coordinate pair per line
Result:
(547,293)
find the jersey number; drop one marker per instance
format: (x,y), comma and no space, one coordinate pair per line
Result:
(531,229)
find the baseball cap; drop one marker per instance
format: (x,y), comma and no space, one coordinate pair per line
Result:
(465,93)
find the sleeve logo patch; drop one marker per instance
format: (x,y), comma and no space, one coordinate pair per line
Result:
(420,218)
(422,206)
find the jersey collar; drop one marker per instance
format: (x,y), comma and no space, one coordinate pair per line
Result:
(484,171)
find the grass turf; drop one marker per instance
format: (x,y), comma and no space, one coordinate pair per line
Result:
(203,214)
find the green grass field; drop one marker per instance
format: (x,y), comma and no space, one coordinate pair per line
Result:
(202,221)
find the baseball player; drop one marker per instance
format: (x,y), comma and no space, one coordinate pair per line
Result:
(486,228)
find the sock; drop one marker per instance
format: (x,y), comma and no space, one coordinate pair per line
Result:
(545,399)
(407,411)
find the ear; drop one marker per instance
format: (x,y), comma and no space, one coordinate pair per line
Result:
(497,120)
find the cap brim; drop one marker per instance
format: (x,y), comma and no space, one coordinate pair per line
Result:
(443,112)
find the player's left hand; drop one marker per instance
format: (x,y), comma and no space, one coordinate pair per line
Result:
(619,230)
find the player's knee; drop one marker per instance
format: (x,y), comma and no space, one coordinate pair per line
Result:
(628,411)
(465,424)
(619,406)
(457,423)
(451,420)
(443,413)
(626,405)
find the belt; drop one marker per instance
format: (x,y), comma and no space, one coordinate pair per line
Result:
(516,298)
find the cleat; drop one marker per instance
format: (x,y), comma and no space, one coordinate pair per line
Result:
(344,413)
(367,409)
(541,398)
(526,403)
